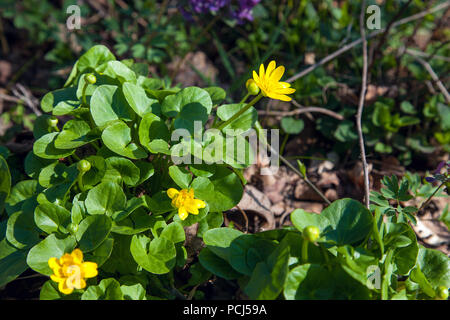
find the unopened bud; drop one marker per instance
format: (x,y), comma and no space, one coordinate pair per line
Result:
(252,87)
(52,122)
(84,166)
(90,78)
(311,233)
(442,293)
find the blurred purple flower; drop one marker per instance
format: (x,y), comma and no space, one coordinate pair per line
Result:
(439,167)
(244,11)
(239,10)
(205,6)
(430,179)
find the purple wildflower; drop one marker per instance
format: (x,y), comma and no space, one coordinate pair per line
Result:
(244,11)
(205,6)
(439,167)
(240,10)
(430,179)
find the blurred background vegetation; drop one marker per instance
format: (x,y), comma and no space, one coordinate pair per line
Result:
(406,120)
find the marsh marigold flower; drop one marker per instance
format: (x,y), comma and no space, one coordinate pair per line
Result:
(269,82)
(70,271)
(185,202)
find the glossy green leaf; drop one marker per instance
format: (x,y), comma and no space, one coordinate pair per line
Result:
(105,198)
(117,137)
(156,256)
(5,183)
(50,217)
(243,123)
(153,132)
(137,99)
(222,191)
(108,289)
(123,169)
(74,134)
(92,231)
(45,147)
(52,246)
(108,104)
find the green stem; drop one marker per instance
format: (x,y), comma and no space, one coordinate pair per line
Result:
(431,196)
(283,144)
(80,181)
(240,112)
(76,157)
(245,98)
(325,255)
(386,276)
(305,244)
(95,146)
(83,93)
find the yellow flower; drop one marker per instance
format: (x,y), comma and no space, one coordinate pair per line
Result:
(185,202)
(269,82)
(70,271)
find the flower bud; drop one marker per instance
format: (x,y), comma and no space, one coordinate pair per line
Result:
(72,227)
(252,87)
(84,166)
(90,78)
(52,122)
(442,293)
(311,233)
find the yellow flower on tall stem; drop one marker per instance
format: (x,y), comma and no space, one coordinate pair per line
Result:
(69,271)
(185,202)
(269,82)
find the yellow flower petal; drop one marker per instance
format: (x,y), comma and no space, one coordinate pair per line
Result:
(270,69)
(199,203)
(277,74)
(89,269)
(53,263)
(192,209)
(261,72)
(269,82)
(182,213)
(255,77)
(77,256)
(284,84)
(65,259)
(56,278)
(285,91)
(279,97)
(172,192)
(63,288)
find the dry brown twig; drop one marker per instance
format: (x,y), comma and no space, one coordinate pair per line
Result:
(25,95)
(361,105)
(302,110)
(430,70)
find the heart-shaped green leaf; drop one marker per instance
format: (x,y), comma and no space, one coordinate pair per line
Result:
(117,137)
(105,198)
(108,104)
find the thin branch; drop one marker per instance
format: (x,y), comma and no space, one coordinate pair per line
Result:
(263,139)
(433,74)
(369,36)
(428,56)
(361,105)
(302,110)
